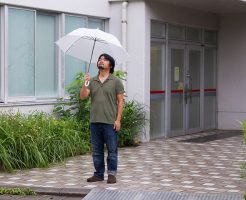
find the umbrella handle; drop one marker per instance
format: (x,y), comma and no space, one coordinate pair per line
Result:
(87,83)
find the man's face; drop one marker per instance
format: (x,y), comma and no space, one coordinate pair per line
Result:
(102,62)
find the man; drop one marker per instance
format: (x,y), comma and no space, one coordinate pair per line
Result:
(106,92)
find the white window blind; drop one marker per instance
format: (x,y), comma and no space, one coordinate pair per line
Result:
(73,65)
(46,68)
(21,53)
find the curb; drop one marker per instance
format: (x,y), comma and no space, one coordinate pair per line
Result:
(68,192)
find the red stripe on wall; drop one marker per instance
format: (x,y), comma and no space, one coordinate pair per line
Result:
(195,90)
(210,90)
(157,92)
(180,91)
(176,91)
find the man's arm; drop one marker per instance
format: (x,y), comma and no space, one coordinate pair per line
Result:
(85,92)
(120,100)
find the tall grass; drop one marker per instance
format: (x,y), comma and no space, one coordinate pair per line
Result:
(244,131)
(35,140)
(243,167)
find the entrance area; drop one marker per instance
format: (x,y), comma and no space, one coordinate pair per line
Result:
(185,63)
(183,89)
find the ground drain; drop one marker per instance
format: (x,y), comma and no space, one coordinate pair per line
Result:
(216,136)
(103,194)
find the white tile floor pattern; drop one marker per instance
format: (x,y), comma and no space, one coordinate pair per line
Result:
(160,165)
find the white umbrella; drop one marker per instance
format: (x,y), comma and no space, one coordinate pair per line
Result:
(88,44)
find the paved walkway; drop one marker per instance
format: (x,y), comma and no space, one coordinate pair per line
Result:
(201,165)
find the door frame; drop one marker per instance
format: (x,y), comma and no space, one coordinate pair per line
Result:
(178,45)
(187,66)
(160,95)
(186,47)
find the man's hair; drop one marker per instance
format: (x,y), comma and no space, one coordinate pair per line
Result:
(111,61)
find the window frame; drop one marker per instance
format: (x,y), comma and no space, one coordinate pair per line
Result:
(87,18)
(64,94)
(6,51)
(45,98)
(59,55)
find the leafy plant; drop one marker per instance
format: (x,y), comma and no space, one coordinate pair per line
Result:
(133,116)
(74,107)
(244,131)
(243,170)
(38,139)
(243,166)
(133,123)
(16,191)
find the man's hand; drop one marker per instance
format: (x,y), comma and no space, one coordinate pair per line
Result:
(85,92)
(87,77)
(117,125)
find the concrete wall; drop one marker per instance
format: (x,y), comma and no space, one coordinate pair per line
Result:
(114,23)
(232,71)
(137,46)
(98,8)
(180,15)
(138,69)
(140,14)
(27,109)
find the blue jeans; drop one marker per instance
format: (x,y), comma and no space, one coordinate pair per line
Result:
(104,134)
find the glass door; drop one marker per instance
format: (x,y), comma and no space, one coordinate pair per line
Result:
(209,88)
(185,95)
(157,90)
(177,66)
(193,89)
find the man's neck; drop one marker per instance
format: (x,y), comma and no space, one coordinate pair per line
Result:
(104,73)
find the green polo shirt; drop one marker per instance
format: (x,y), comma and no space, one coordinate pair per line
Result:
(104,104)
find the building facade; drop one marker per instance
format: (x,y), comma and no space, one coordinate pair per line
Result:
(186,59)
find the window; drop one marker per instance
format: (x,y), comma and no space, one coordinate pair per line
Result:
(193,34)
(46,68)
(95,23)
(73,65)
(176,32)
(158,30)
(33,71)
(210,37)
(21,53)
(1,85)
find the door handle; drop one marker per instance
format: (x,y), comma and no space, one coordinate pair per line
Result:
(186,95)
(180,98)
(190,89)
(181,90)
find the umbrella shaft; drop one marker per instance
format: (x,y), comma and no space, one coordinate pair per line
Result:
(91,55)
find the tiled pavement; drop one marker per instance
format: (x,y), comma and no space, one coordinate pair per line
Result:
(160,165)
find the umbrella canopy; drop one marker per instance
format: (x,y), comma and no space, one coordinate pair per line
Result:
(88,44)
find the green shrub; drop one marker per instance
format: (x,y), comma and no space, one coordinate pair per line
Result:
(16,191)
(133,116)
(244,131)
(38,139)
(132,123)
(243,170)
(74,107)
(243,166)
